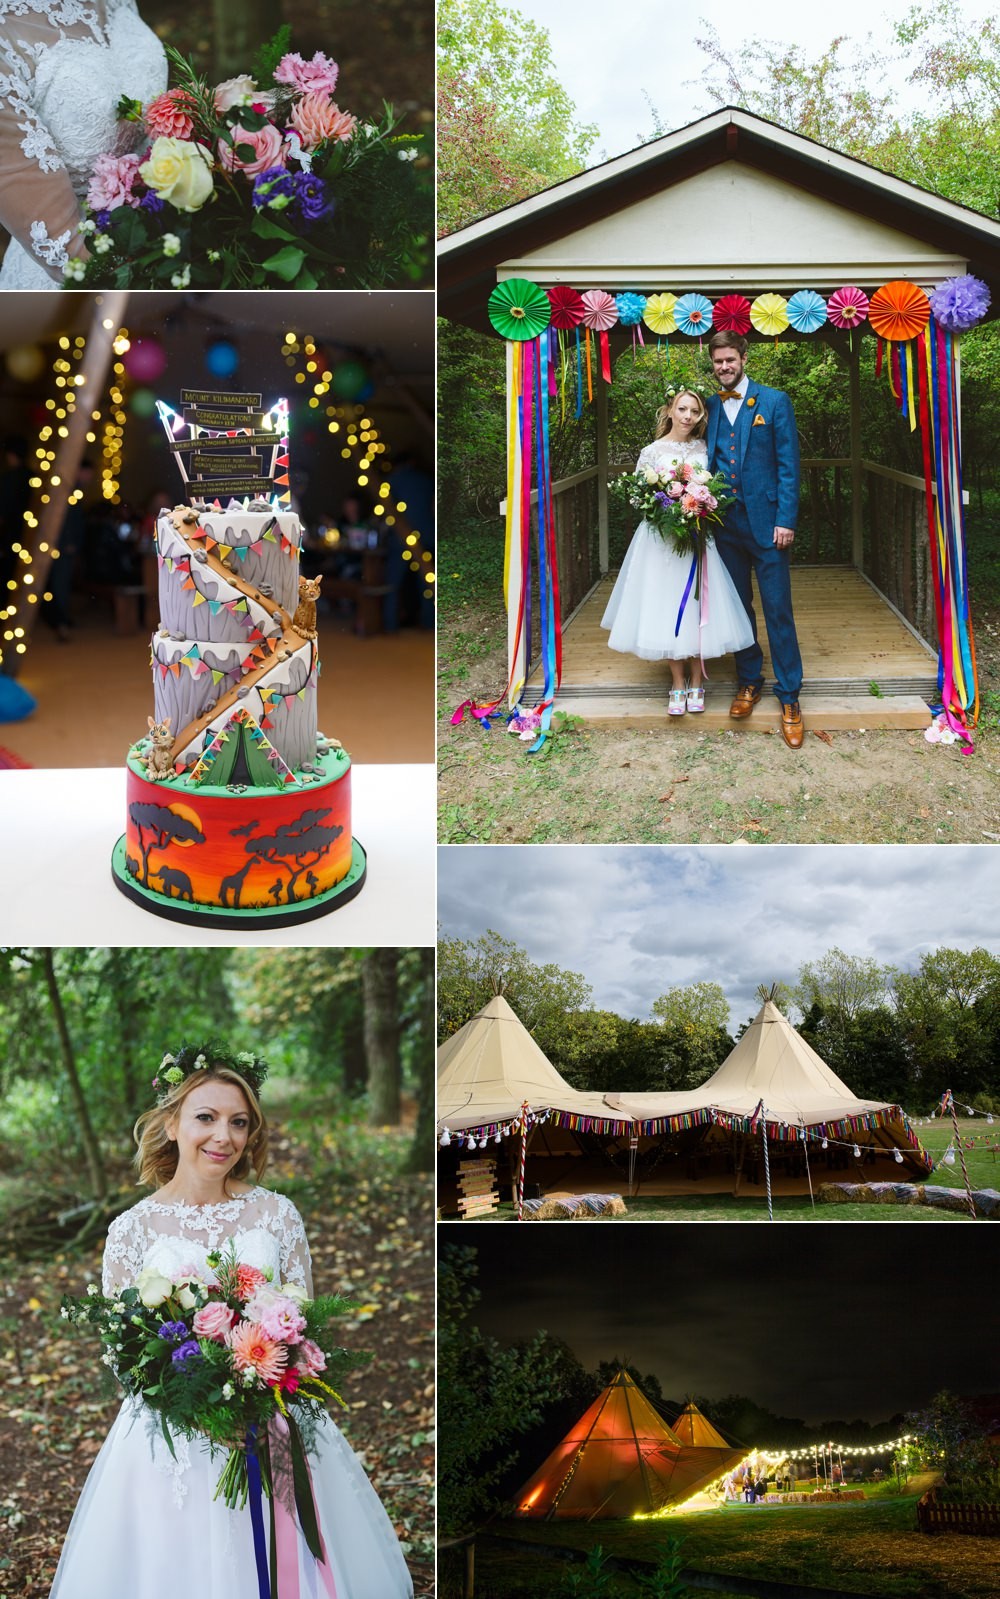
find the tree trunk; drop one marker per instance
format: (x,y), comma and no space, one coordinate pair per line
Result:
(421,1156)
(380,983)
(92,1153)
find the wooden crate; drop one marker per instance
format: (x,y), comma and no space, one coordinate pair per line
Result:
(477,1188)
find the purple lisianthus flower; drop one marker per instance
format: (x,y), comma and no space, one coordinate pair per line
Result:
(273,189)
(662,499)
(176,1331)
(189,1351)
(311,197)
(151,201)
(103,219)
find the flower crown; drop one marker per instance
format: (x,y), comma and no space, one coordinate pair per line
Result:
(191,1058)
(700,389)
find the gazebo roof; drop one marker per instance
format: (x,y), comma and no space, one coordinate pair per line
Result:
(801,212)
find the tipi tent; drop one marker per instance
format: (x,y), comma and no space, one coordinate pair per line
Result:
(621,1459)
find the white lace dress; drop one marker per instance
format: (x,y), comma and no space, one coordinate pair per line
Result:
(147,1526)
(641,614)
(64,65)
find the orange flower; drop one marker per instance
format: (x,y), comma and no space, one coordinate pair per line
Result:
(251,1347)
(248,1280)
(169,116)
(316,117)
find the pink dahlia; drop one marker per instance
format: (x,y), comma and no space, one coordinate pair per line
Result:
(311,1358)
(268,147)
(251,1347)
(318,76)
(214,1321)
(316,117)
(248,1280)
(169,115)
(112,180)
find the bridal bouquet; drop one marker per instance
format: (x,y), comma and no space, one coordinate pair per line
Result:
(677,502)
(229,1356)
(258,182)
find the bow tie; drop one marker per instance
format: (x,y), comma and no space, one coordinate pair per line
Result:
(730,394)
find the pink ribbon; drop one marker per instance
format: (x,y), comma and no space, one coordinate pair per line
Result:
(286,1527)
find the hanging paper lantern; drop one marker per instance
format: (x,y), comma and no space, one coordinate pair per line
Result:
(25,362)
(959,303)
(445,1138)
(600,310)
(222,358)
(142,402)
(731,314)
(566,307)
(693,314)
(847,307)
(806,311)
(898,310)
(630,308)
(769,314)
(659,314)
(145,360)
(519,309)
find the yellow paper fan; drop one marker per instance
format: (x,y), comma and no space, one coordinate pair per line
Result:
(769,314)
(659,313)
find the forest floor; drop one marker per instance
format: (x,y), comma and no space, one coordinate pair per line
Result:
(371,1237)
(602,786)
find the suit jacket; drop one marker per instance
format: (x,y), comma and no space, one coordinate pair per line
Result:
(767,440)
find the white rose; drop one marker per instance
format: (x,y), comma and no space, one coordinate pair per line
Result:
(153,1287)
(651,476)
(701,476)
(237,91)
(294,1292)
(185,1298)
(180,172)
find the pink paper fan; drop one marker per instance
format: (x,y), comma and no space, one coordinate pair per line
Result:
(600,310)
(731,314)
(847,307)
(567,307)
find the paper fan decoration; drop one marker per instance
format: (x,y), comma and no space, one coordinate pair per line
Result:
(659,314)
(693,314)
(898,310)
(769,314)
(566,306)
(806,311)
(519,309)
(847,307)
(731,314)
(959,303)
(599,309)
(630,308)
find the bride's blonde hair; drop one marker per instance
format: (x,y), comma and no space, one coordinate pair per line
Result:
(155,1158)
(664,416)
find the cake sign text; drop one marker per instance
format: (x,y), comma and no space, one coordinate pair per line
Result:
(225,444)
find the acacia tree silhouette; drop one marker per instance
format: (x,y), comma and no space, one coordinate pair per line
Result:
(165,826)
(296,846)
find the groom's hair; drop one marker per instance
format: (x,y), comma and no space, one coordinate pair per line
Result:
(728,341)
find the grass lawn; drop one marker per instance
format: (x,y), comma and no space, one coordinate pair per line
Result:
(872,1549)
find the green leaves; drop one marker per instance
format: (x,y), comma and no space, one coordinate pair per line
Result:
(287,263)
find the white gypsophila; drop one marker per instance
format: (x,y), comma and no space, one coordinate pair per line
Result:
(92,1290)
(102,244)
(171,246)
(201,1063)
(228,1390)
(180,280)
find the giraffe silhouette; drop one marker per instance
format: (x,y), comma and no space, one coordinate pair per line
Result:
(233,885)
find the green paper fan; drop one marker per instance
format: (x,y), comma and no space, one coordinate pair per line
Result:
(519,309)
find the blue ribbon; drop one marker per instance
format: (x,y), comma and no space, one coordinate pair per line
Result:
(257,1516)
(546,595)
(579,376)
(687,591)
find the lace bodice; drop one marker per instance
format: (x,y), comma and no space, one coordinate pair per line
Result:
(64,65)
(662,451)
(265,1227)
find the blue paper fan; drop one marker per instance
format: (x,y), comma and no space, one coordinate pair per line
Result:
(806,311)
(693,315)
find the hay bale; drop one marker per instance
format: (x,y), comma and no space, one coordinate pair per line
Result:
(574,1207)
(987,1201)
(946,1198)
(835,1193)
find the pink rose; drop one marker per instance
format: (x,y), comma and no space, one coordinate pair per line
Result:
(316,117)
(268,147)
(169,116)
(311,1358)
(213,1321)
(675,490)
(318,76)
(112,180)
(711,502)
(282,1321)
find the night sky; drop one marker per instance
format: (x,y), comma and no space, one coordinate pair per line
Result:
(847,1322)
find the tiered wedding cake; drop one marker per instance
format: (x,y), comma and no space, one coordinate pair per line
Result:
(239,811)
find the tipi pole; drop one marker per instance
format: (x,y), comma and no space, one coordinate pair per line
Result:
(520,1167)
(961,1153)
(761,1112)
(805,1151)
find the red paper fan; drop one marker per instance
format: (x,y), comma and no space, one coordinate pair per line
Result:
(567,307)
(899,310)
(731,314)
(600,309)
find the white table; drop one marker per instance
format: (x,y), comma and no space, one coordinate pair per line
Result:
(58,828)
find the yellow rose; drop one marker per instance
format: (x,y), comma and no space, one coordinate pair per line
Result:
(179,172)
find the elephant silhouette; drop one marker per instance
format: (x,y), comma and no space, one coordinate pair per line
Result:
(175,884)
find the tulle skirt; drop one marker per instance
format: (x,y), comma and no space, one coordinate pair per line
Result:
(147,1526)
(642,611)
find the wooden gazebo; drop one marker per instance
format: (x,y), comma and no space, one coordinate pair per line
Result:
(735,203)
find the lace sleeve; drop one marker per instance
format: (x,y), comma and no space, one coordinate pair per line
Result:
(37,204)
(123,1252)
(296,1264)
(645,457)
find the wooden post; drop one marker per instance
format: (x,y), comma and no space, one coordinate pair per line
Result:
(517,649)
(857,523)
(601,398)
(469,1591)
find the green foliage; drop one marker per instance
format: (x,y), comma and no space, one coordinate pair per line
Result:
(269,54)
(470,972)
(666,1582)
(591,1579)
(952,1440)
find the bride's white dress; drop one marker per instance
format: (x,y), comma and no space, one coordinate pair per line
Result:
(642,611)
(147,1526)
(64,65)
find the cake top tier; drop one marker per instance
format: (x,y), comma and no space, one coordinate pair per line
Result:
(227,448)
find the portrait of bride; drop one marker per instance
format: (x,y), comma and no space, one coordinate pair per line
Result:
(142,147)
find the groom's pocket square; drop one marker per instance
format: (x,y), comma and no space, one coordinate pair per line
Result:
(759,422)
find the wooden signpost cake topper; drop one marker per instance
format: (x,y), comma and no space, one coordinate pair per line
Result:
(232,448)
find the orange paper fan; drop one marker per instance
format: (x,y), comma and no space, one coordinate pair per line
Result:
(899,310)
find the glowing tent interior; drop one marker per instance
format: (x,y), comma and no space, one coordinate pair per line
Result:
(621,1459)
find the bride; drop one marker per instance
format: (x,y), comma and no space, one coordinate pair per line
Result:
(146,1522)
(649,593)
(64,66)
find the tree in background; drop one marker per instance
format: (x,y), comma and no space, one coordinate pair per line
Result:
(472,971)
(380,987)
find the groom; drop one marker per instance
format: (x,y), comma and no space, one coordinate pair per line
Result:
(754,443)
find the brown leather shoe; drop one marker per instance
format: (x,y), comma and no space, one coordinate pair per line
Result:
(747,696)
(792,730)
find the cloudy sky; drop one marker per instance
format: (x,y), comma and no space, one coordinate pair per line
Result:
(607,59)
(636,920)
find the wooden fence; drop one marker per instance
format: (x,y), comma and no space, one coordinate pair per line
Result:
(977,1521)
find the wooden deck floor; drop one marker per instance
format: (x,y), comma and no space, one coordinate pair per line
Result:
(849,637)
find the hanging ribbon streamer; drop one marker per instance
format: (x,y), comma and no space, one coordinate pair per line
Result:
(548,568)
(256,1498)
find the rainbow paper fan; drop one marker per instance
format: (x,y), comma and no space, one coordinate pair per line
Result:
(659,314)
(898,311)
(519,309)
(566,306)
(630,308)
(769,314)
(600,310)
(806,311)
(731,314)
(693,314)
(847,307)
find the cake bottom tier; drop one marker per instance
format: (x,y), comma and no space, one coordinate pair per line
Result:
(238,856)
